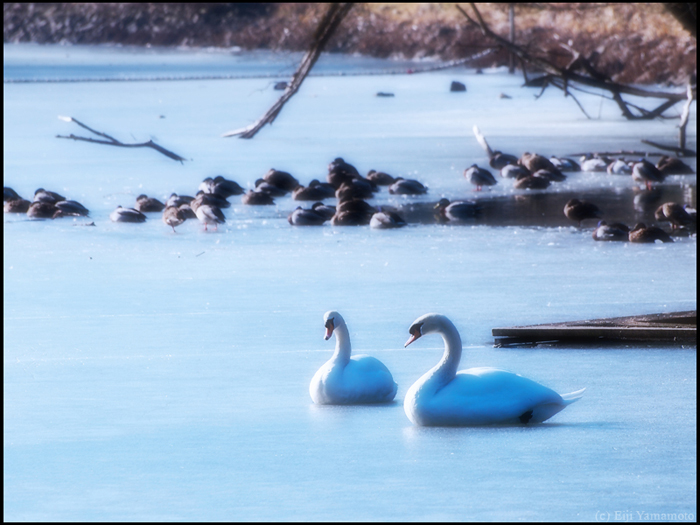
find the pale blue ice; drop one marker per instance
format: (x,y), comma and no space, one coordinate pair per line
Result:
(158,376)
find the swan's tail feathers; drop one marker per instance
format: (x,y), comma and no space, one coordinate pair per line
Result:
(482,141)
(573,396)
(544,411)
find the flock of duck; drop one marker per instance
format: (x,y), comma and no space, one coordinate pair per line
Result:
(443,396)
(344,183)
(534,171)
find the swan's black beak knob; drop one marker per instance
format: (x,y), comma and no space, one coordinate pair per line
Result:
(329,329)
(416,332)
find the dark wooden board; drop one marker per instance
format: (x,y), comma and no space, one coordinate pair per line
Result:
(673,328)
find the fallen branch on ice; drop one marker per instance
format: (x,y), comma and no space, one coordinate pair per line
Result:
(111,141)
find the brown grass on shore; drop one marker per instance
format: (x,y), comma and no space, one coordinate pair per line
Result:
(629,42)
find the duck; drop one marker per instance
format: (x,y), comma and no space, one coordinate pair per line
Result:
(147,204)
(354,189)
(619,167)
(225,187)
(564,163)
(315,191)
(174,216)
(281,179)
(212,199)
(579,211)
(348,218)
(642,233)
(645,172)
(403,186)
(127,215)
(476,396)
(43,210)
(257,198)
(457,211)
(611,232)
(262,186)
(531,182)
(534,162)
(551,176)
(209,214)
(385,219)
(673,166)
(675,214)
(346,379)
(499,160)
(72,208)
(221,185)
(479,177)
(513,171)
(380,178)
(16,206)
(355,212)
(187,211)
(324,210)
(42,195)
(593,163)
(8,194)
(178,200)
(207,185)
(340,171)
(302,217)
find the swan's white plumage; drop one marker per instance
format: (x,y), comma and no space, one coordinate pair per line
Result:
(345,379)
(477,396)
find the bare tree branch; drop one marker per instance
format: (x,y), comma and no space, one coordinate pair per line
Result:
(692,95)
(569,74)
(683,152)
(326,28)
(114,142)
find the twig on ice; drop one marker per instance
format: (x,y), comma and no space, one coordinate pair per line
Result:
(114,142)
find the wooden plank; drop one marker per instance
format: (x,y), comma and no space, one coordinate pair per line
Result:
(674,328)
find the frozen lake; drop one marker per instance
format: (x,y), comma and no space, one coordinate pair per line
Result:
(158,376)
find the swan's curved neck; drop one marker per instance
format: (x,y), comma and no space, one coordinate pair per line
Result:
(446,369)
(342,345)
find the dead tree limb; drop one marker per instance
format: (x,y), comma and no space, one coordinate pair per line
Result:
(111,141)
(570,74)
(692,95)
(681,152)
(328,25)
(618,153)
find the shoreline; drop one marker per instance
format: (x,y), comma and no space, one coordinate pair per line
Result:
(630,43)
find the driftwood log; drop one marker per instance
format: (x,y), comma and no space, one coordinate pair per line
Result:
(326,28)
(111,141)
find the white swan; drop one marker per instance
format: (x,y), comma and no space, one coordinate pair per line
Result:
(477,396)
(346,380)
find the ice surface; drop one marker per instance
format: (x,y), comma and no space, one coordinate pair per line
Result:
(158,376)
